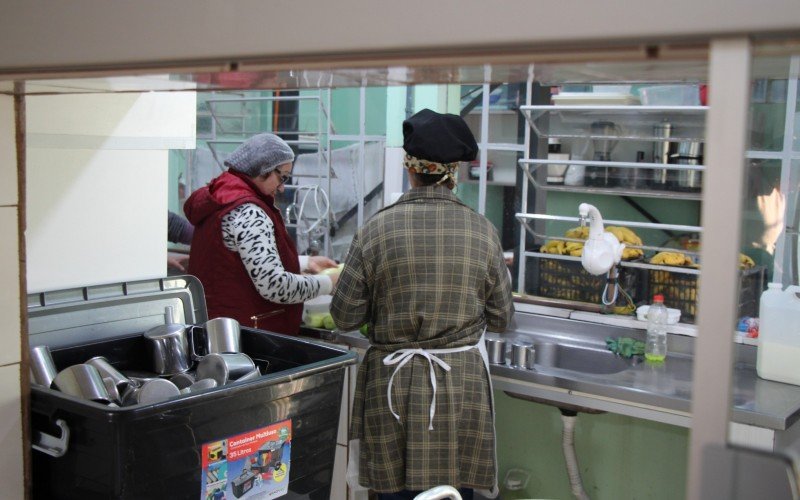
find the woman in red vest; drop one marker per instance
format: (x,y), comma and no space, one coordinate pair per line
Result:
(241,252)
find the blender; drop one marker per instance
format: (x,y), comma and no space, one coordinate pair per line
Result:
(602,133)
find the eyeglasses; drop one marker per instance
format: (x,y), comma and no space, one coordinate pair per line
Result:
(282,178)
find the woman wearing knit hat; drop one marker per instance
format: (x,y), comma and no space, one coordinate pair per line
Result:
(241,251)
(427,276)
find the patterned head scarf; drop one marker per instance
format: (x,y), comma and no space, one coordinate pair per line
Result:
(426,167)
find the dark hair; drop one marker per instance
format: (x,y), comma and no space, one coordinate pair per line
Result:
(431,179)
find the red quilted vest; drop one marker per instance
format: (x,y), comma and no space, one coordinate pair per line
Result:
(228,288)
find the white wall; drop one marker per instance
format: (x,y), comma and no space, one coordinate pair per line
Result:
(97,185)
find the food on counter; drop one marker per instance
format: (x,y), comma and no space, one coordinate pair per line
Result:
(320,320)
(575,248)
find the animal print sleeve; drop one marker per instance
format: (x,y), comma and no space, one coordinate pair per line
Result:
(249,231)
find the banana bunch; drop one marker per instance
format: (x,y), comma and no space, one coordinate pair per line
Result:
(625,235)
(580,232)
(558,247)
(575,248)
(672,259)
(682,260)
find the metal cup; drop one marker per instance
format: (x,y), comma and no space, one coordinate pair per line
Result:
(221,335)
(249,376)
(169,347)
(43,368)
(107,370)
(83,381)
(519,355)
(496,350)
(200,385)
(111,388)
(152,391)
(183,380)
(224,367)
(531,355)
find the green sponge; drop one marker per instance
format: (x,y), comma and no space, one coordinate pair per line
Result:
(625,346)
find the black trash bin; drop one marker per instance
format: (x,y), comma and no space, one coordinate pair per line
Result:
(274,435)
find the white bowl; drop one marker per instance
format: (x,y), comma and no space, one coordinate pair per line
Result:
(673,315)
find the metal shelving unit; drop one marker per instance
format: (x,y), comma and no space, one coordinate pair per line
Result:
(631,123)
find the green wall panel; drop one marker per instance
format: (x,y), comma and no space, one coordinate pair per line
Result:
(619,457)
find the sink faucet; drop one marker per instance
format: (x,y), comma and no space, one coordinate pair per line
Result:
(602,251)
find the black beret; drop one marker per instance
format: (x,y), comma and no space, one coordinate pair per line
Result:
(442,138)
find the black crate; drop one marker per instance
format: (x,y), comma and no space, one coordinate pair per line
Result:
(680,291)
(154,451)
(568,280)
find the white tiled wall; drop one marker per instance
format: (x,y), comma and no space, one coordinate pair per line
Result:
(10,432)
(11,464)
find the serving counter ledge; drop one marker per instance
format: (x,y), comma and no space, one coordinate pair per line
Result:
(587,377)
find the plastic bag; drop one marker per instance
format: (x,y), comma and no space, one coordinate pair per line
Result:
(353,452)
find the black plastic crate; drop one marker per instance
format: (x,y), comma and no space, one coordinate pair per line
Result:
(154,451)
(680,291)
(568,280)
(165,450)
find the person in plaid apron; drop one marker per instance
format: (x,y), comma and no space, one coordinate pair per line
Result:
(427,276)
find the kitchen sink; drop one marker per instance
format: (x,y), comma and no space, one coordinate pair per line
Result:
(584,359)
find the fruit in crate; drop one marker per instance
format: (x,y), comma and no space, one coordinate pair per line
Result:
(575,248)
(677,259)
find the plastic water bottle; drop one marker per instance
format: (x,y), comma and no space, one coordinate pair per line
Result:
(656,345)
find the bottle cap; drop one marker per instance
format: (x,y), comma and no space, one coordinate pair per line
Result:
(658,298)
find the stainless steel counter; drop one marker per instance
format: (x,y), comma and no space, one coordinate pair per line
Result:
(660,392)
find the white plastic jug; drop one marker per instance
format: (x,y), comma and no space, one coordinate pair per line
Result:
(779,335)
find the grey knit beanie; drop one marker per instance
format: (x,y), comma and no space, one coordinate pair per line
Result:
(260,155)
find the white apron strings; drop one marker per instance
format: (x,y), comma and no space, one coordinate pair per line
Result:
(403,356)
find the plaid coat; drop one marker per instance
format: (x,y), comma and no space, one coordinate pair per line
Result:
(426,272)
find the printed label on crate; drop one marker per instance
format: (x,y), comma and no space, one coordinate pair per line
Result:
(253,465)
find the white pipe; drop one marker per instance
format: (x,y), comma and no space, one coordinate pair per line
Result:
(568,444)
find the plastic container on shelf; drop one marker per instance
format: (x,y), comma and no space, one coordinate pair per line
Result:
(670,95)
(673,315)
(779,334)
(656,345)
